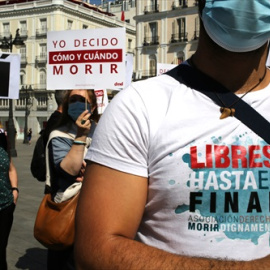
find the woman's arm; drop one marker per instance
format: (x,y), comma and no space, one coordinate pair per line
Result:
(70,156)
(13,177)
(73,163)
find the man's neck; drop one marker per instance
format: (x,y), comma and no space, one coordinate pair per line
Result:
(238,72)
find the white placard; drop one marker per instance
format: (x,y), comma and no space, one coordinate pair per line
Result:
(162,68)
(86,59)
(9,75)
(102,100)
(129,68)
(128,73)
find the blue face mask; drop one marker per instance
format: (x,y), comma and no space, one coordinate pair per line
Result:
(237,25)
(75,109)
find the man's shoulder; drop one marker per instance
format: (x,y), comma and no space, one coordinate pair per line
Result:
(157,89)
(159,83)
(152,89)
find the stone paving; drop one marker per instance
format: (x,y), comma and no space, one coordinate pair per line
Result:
(24,251)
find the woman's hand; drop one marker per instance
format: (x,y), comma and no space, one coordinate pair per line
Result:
(15,196)
(83,123)
(81,173)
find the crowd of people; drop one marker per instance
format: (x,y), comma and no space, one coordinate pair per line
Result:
(170,179)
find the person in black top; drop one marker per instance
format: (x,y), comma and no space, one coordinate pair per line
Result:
(9,193)
(55,116)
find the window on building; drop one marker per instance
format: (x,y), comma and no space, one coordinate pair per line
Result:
(85,26)
(43,50)
(125,5)
(6,29)
(42,77)
(23,27)
(22,78)
(69,26)
(183,3)
(43,25)
(23,53)
(154,4)
(181,27)
(132,3)
(197,27)
(154,32)
(152,66)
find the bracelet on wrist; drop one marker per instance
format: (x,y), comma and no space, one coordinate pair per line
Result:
(15,188)
(79,142)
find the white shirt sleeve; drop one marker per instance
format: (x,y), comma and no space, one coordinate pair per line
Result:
(121,138)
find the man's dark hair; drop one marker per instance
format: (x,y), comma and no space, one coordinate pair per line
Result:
(201,5)
(59,96)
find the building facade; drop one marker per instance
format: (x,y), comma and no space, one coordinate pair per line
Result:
(124,10)
(34,19)
(166,32)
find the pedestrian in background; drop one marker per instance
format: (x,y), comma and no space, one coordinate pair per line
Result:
(56,115)
(29,136)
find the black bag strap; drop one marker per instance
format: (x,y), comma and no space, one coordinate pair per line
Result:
(199,81)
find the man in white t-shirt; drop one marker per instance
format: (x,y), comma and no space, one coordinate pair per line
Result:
(171,185)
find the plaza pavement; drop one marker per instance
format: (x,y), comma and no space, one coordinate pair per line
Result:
(24,251)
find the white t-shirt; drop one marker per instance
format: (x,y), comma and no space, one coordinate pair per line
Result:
(209,179)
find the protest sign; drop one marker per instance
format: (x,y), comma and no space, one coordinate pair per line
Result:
(9,75)
(129,69)
(102,100)
(128,72)
(86,59)
(162,68)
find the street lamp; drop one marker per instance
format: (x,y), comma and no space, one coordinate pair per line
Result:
(28,104)
(7,45)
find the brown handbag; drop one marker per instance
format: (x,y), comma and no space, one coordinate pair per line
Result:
(55,223)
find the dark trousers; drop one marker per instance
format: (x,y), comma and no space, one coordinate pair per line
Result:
(6,220)
(60,260)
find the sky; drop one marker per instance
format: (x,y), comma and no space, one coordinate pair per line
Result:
(97,2)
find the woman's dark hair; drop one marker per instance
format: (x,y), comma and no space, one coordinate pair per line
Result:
(65,118)
(59,96)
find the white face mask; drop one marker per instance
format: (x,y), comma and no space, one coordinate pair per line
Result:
(237,25)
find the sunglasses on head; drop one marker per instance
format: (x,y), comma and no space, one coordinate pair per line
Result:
(75,98)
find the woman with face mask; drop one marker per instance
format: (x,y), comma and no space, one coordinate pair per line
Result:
(66,155)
